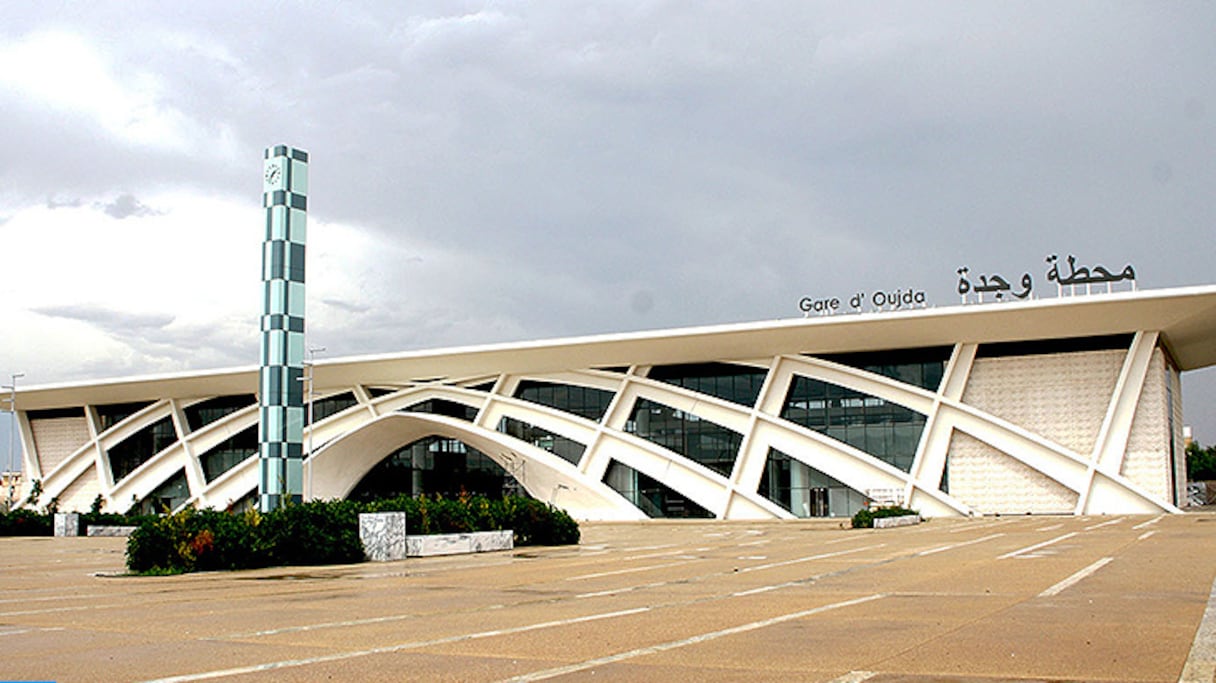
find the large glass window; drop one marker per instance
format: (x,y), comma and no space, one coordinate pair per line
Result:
(330,405)
(648,495)
(436,465)
(883,429)
(166,497)
(582,401)
(442,406)
(230,453)
(139,448)
(922,368)
(111,414)
(204,413)
(734,383)
(702,441)
(804,490)
(568,449)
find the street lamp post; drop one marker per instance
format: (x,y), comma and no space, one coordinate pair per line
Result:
(309,380)
(12,431)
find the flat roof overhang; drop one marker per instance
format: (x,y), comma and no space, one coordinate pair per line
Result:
(1185,317)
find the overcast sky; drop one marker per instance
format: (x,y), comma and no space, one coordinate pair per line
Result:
(486,172)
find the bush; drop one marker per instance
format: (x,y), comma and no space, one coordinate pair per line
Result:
(22,522)
(864,519)
(1200,462)
(326,532)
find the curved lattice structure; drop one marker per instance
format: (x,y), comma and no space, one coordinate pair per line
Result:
(1061,406)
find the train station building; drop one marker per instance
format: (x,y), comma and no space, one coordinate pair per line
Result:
(1067,405)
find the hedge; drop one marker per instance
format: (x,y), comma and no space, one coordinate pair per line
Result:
(326,532)
(864,519)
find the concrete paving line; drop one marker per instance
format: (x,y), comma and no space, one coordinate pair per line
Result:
(48,598)
(1150,522)
(632,570)
(684,642)
(614,591)
(854,677)
(388,649)
(812,558)
(33,629)
(53,610)
(1036,546)
(952,546)
(1099,526)
(668,553)
(1075,578)
(1200,664)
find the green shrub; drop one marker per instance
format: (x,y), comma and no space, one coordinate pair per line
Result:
(326,532)
(537,523)
(318,532)
(864,519)
(22,522)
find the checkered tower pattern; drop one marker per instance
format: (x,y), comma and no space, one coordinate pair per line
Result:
(281,391)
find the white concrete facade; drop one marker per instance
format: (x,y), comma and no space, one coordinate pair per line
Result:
(1084,431)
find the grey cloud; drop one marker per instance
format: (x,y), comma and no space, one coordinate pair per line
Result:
(54,202)
(106,318)
(126,206)
(724,159)
(346,306)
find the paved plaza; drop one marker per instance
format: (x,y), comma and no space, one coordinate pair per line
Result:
(1119,598)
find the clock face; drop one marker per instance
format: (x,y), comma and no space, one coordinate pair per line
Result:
(274,174)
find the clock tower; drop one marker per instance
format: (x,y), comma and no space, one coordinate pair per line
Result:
(280,389)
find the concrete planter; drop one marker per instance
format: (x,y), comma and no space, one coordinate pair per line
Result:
(903,520)
(384,539)
(456,544)
(109,530)
(67,523)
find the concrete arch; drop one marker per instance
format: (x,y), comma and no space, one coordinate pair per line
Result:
(339,466)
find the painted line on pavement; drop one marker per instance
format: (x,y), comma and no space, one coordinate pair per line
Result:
(1148,523)
(952,546)
(337,657)
(330,624)
(1075,578)
(1201,662)
(684,642)
(1036,546)
(1053,527)
(1099,526)
(854,677)
(631,570)
(812,558)
(52,610)
(1146,534)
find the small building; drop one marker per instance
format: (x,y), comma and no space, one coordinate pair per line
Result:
(1069,405)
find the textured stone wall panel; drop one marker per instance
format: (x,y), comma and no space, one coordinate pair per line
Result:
(1146,461)
(57,438)
(990,481)
(1062,397)
(79,495)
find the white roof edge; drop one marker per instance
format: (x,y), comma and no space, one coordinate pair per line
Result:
(951,311)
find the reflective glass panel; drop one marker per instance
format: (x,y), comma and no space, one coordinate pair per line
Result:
(436,465)
(648,495)
(567,449)
(702,441)
(582,401)
(885,430)
(734,383)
